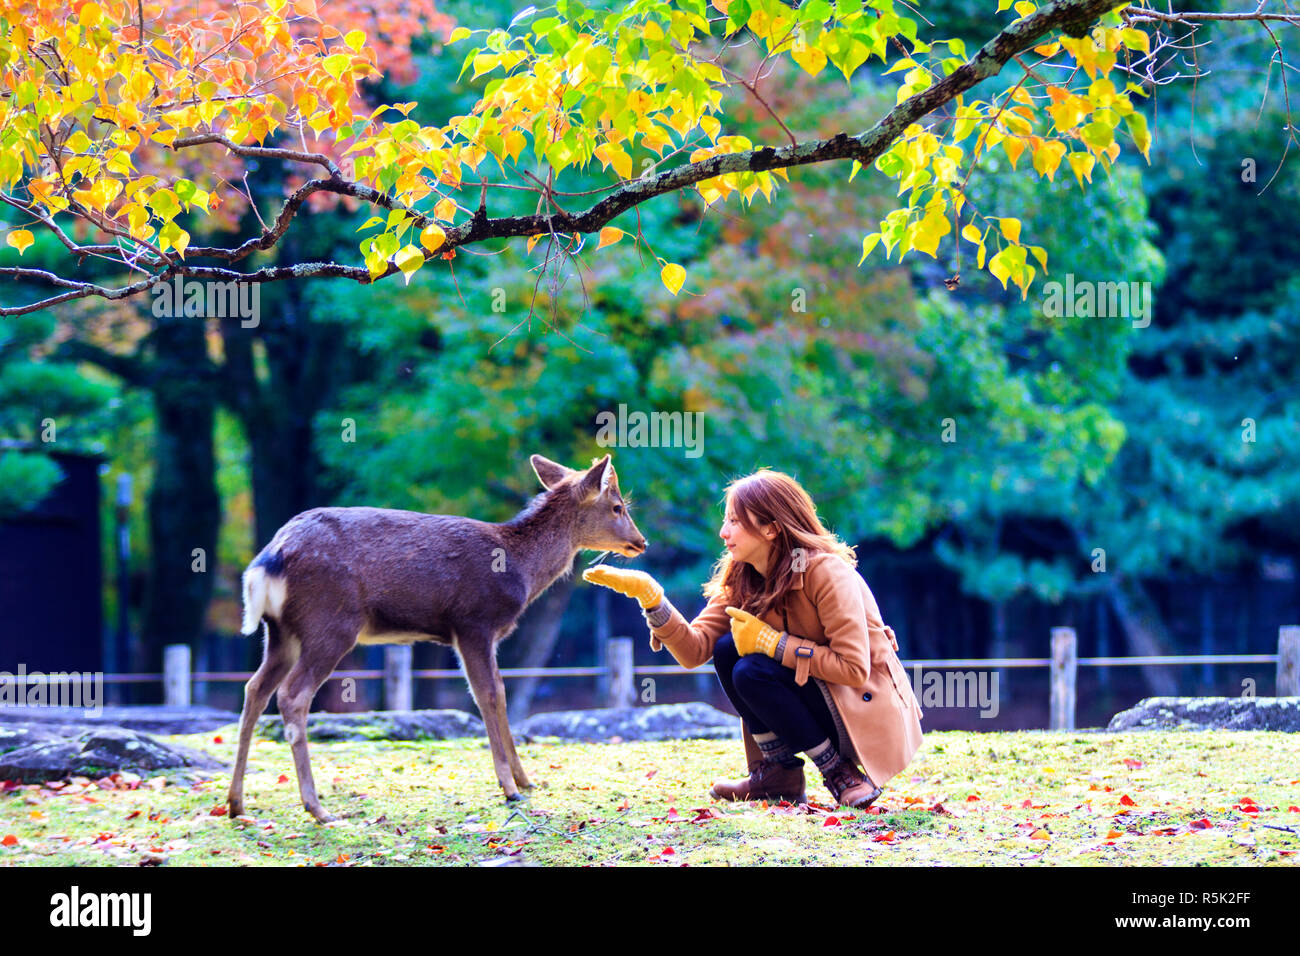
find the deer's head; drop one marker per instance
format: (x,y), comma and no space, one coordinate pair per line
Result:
(601,521)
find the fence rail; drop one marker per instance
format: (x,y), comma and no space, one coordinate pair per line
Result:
(178,679)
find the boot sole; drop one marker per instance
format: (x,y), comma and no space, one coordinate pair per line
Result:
(801,798)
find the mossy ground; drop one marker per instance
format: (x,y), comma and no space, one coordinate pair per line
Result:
(1025,798)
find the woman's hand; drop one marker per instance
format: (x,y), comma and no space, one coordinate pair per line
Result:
(752,635)
(635,584)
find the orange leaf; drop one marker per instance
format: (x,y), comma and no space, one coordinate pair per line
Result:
(1040,835)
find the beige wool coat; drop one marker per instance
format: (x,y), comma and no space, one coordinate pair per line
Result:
(838,639)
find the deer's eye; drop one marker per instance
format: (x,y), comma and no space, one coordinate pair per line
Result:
(618,509)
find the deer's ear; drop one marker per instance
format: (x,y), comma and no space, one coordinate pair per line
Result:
(549,473)
(598,478)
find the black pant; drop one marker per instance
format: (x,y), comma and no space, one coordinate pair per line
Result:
(765,695)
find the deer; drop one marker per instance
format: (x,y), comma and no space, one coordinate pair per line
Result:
(333,578)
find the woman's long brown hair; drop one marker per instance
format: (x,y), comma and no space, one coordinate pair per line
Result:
(772,497)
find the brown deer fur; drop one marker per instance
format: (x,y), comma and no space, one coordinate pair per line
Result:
(335,577)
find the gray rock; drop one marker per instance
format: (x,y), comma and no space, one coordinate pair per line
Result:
(381,725)
(152,719)
(57,752)
(1211,713)
(657,722)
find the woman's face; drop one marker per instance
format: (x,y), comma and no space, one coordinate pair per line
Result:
(744,545)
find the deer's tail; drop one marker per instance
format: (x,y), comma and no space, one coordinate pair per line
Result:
(255,593)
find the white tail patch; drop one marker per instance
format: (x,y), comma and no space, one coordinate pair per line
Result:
(263,596)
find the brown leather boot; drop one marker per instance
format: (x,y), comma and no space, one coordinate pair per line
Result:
(767,780)
(849,787)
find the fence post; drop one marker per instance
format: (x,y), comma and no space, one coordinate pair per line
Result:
(622,687)
(1065,666)
(1288,661)
(397,677)
(176,675)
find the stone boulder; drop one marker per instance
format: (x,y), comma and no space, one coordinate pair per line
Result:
(1210,713)
(381,725)
(656,722)
(153,719)
(36,753)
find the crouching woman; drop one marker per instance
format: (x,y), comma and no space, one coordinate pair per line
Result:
(799,647)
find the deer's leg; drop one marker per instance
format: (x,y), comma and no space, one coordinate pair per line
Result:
(477,655)
(277,657)
(516,768)
(321,653)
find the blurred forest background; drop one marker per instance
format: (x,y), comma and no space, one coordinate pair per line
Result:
(1072,433)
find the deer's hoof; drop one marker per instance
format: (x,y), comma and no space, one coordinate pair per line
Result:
(515,797)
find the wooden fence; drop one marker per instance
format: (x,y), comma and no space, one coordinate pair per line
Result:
(399,677)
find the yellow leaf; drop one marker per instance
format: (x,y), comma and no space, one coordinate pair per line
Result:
(1014,148)
(355,39)
(611,154)
(608,236)
(445,209)
(812,59)
(459,33)
(971,233)
(1082,164)
(20,239)
(432,237)
(868,243)
(1010,228)
(1136,40)
(91,15)
(1048,157)
(409,259)
(673,276)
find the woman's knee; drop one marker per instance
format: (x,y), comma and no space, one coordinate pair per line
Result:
(755,669)
(725,654)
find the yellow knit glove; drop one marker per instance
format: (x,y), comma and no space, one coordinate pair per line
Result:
(635,584)
(752,635)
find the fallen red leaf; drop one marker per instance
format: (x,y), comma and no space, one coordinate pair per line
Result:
(283,778)
(831,821)
(1201,824)
(1131,763)
(889,837)
(1293,809)
(624,805)
(217,739)
(1127,801)
(218,811)
(9,840)
(971,798)
(673,816)
(133,814)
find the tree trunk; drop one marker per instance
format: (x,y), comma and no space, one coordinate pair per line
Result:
(1144,631)
(184,506)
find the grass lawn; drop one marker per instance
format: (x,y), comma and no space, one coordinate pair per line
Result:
(1009,799)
